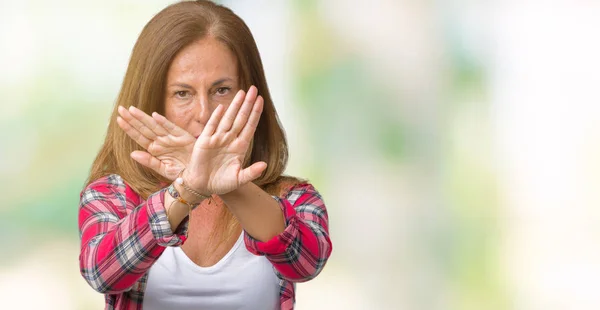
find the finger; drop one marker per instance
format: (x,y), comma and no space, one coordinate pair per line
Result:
(170,127)
(243,114)
(148,121)
(147,160)
(135,123)
(252,173)
(213,121)
(233,108)
(250,126)
(133,133)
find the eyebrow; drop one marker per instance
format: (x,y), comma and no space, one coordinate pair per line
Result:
(215,83)
(221,81)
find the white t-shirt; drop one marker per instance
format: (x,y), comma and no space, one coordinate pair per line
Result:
(240,280)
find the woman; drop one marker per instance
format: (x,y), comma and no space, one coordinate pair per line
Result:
(190,210)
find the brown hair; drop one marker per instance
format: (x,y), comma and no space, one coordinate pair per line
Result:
(162,38)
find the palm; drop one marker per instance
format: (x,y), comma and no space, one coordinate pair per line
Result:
(216,164)
(220,158)
(173,153)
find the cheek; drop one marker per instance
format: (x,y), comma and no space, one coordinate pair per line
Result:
(179,115)
(225,101)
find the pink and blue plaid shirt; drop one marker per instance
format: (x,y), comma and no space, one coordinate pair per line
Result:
(122,235)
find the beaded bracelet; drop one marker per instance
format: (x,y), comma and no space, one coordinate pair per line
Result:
(175,194)
(179,181)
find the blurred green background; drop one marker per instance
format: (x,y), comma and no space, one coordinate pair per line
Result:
(455,144)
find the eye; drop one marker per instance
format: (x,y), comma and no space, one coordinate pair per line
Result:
(222,91)
(182,94)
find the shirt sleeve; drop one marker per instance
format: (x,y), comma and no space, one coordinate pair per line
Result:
(301,251)
(118,247)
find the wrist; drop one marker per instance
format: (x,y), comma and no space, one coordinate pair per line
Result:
(181,196)
(175,210)
(188,194)
(193,194)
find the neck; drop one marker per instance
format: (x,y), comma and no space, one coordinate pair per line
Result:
(209,221)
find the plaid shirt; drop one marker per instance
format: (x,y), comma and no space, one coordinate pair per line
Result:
(122,235)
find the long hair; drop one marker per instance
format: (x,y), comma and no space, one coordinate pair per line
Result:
(171,30)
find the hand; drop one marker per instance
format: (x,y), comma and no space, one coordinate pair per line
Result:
(216,164)
(214,161)
(168,146)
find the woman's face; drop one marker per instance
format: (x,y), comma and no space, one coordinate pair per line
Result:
(202,76)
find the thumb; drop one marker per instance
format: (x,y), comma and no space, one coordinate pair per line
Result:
(252,173)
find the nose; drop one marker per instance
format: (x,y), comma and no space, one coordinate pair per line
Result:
(202,109)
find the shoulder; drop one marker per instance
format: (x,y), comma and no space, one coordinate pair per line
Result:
(306,201)
(298,191)
(106,185)
(111,181)
(110,187)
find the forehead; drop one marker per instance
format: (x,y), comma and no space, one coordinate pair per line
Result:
(204,59)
